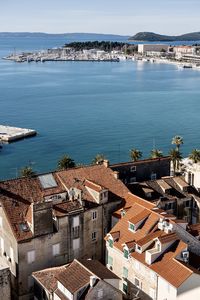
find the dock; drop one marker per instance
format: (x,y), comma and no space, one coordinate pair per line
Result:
(10,134)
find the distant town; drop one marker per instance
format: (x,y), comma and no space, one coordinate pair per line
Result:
(186,56)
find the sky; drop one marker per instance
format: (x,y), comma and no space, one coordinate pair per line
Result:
(125,17)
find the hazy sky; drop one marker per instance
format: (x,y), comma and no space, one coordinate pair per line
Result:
(100,16)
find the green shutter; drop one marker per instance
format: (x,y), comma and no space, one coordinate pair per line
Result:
(131,226)
(126,253)
(125,288)
(110,243)
(125,272)
(110,260)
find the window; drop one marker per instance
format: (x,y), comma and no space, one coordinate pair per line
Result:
(153,176)
(137,282)
(110,261)
(76,244)
(31,256)
(94,215)
(76,221)
(125,272)
(75,232)
(132,179)
(131,226)
(11,254)
(56,249)
(137,265)
(133,168)
(125,288)
(110,243)
(187,203)
(94,235)
(126,253)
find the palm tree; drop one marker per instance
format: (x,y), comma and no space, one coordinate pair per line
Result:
(177,140)
(156,153)
(27,172)
(135,154)
(98,159)
(195,155)
(66,162)
(175,156)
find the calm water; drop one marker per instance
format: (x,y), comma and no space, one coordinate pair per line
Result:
(84,108)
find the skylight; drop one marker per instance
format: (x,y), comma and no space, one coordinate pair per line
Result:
(47,181)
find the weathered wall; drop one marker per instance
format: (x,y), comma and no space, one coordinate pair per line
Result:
(5,284)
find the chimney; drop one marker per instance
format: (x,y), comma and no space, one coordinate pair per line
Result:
(116,174)
(92,280)
(106,163)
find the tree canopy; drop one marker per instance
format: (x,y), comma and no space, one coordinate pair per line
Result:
(66,162)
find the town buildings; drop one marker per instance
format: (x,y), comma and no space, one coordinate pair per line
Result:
(81,279)
(192,172)
(5,283)
(50,219)
(153,254)
(143,48)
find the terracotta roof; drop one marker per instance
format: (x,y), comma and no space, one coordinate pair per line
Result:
(139,217)
(64,208)
(97,269)
(94,186)
(47,277)
(150,237)
(167,238)
(74,277)
(115,235)
(166,265)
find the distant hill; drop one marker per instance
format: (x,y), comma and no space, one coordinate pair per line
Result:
(154,37)
(71,36)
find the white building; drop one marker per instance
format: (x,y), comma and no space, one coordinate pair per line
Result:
(144,250)
(192,172)
(143,48)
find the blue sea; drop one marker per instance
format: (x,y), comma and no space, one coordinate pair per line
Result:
(85,108)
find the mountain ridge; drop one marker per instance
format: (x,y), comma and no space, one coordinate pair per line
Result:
(155,37)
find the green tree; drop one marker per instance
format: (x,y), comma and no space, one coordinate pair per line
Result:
(195,155)
(176,157)
(135,154)
(27,172)
(66,162)
(98,159)
(156,153)
(178,141)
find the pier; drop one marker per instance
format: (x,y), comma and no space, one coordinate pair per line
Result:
(10,134)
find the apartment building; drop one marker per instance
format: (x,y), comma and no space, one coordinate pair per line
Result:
(153,254)
(142,170)
(81,279)
(50,219)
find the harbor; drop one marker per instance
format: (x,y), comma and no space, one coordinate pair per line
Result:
(10,134)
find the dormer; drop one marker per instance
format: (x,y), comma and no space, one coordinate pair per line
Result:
(162,243)
(128,247)
(145,242)
(113,237)
(98,192)
(166,188)
(181,184)
(135,222)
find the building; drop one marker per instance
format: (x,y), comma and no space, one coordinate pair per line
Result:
(191,172)
(50,219)
(81,279)
(153,254)
(142,170)
(5,284)
(172,194)
(143,48)
(184,50)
